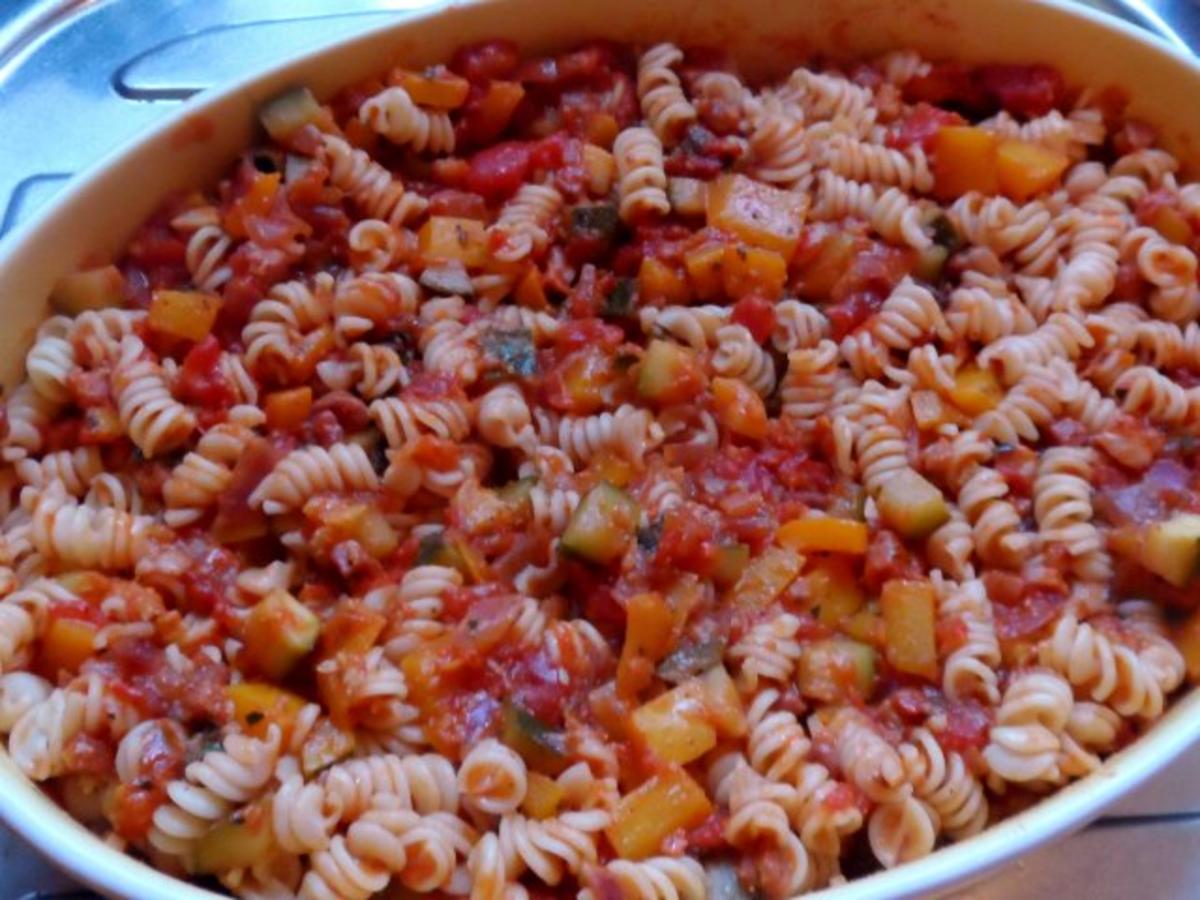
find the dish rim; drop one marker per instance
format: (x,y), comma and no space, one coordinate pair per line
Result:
(38,820)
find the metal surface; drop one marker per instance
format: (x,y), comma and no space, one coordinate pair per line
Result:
(82,77)
(79,77)
(1180,16)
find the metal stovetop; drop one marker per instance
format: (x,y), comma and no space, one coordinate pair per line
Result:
(78,77)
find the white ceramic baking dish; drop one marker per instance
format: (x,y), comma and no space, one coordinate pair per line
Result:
(93,218)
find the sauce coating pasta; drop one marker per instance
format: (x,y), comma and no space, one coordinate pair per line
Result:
(595,475)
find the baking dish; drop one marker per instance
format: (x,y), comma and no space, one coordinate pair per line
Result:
(93,219)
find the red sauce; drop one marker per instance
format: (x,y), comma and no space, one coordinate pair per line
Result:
(888,558)
(1018,467)
(756,314)
(1165,486)
(1032,611)
(462,204)
(967,725)
(143,676)
(497,172)
(201,382)
(1026,91)
(486,60)
(920,125)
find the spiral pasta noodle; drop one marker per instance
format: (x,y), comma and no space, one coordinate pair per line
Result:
(824,96)
(204,473)
(19,693)
(970,669)
(890,212)
(663,102)
(658,878)
(901,831)
(1107,671)
(1024,744)
(942,781)
(503,418)
(1029,407)
(372,370)
(641,180)
(78,536)
(769,650)
(367,301)
(758,822)
(776,744)
(867,760)
(864,162)
(373,245)
(51,359)
(41,736)
(628,432)
(491,779)
(525,220)
(421,851)
(552,848)
(207,255)
(338,873)
(999,538)
(696,326)
(798,326)
(809,383)
(303,473)
(739,356)
(402,420)
(280,321)
(1146,392)
(981,309)
(152,417)
(97,333)
(74,469)
(423,783)
(371,185)
(782,154)
(393,114)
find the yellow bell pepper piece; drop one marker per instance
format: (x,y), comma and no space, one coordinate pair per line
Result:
(184,314)
(757,213)
(908,620)
(664,804)
(1026,169)
(450,238)
(964,159)
(824,533)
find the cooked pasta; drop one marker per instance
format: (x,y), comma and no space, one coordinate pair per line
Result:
(768,651)
(641,181)
(303,473)
(154,420)
(525,221)
(657,878)
(204,474)
(943,782)
(782,155)
(1024,744)
(208,247)
(869,762)
(371,185)
(393,114)
(890,212)
(665,106)
(607,475)
(902,830)
(492,779)
(211,788)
